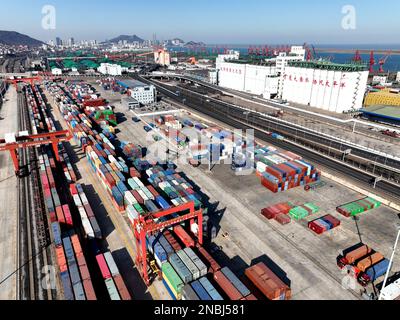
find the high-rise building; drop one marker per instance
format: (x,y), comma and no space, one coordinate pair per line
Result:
(58,42)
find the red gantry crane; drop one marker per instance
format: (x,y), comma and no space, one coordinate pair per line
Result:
(382,62)
(147,225)
(13,144)
(30,81)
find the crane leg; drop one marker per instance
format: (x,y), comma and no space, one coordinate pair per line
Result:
(14,157)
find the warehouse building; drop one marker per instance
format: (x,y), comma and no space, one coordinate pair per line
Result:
(110,69)
(328,86)
(260,77)
(141,92)
(384,114)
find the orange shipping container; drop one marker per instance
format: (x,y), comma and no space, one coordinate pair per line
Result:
(360,252)
(364,264)
(268,282)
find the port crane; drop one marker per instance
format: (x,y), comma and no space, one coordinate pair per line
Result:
(150,224)
(382,62)
(12,144)
(30,81)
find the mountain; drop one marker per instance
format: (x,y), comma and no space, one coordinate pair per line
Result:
(193,43)
(127,38)
(18,39)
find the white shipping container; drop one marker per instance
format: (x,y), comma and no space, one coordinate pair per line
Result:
(77,200)
(111,264)
(87,227)
(129,198)
(83,198)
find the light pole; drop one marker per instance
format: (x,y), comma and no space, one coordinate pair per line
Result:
(391,262)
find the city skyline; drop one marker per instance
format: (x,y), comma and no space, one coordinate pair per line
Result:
(212,22)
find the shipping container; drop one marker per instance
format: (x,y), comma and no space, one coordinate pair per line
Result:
(235,281)
(189,294)
(180,268)
(268,282)
(189,264)
(212,292)
(184,236)
(228,288)
(103,266)
(200,291)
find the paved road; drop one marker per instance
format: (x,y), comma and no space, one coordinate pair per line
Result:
(8,208)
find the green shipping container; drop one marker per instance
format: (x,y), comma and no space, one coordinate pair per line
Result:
(173,278)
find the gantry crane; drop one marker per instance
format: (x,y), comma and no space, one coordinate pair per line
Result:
(382,62)
(27,141)
(147,225)
(30,81)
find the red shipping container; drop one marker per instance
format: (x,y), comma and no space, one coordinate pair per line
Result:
(53,217)
(72,189)
(209,260)
(268,282)
(89,290)
(134,173)
(227,286)
(283,219)
(67,215)
(184,236)
(316,227)
(103,266)
(153,191)
(275,173)
(270,213)
(84,271)
(172,241)
(122,290)
(137,196)
(60,215)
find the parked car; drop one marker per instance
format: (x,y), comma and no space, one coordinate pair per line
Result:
(135,119)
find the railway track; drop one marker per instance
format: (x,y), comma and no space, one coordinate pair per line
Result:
(234,118)
(33,236)
(390,167)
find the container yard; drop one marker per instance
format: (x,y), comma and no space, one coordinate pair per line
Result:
(215,220)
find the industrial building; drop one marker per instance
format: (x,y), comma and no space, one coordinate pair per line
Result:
(382,113)
(255,77)
(130,103)
(141,92)
(162,57)
(332,87)
(110,69)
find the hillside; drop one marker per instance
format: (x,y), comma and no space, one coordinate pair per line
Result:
(127,38)
(16,39)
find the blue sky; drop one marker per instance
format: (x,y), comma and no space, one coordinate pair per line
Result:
(211,21)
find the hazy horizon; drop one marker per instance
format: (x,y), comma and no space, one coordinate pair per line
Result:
(239,22)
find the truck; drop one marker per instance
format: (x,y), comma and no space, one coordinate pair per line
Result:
(374,272)
(350,257)
(315,185)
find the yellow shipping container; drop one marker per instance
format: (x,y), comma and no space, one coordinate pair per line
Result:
(383,97)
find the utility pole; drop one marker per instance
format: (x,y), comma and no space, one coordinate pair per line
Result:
(391,262)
